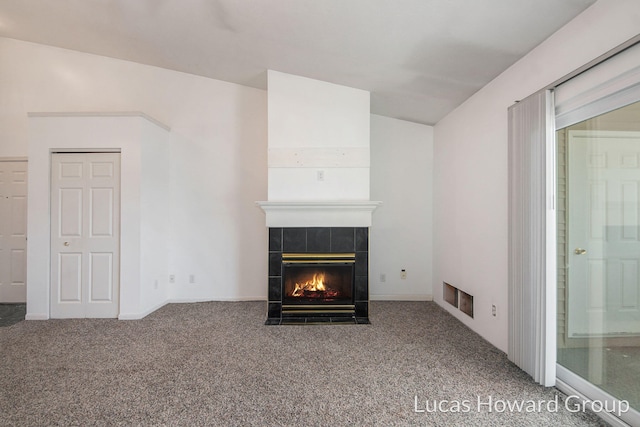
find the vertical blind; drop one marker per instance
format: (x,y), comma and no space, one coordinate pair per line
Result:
(531,301)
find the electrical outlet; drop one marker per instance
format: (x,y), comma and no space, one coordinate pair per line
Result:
(494,310)
(403,274)
(192,278)
(383,277)
(172,278)
(320,175)
(155,284)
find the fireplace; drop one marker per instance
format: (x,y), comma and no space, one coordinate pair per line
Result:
(318,275)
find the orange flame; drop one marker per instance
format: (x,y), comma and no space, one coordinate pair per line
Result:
(316,284)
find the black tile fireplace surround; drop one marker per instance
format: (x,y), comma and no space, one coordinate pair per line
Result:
(327,240)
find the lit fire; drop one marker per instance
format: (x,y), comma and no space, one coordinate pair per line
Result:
(315,287)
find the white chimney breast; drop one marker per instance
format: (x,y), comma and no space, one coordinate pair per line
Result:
(318,153)
(317,126)
(309,113)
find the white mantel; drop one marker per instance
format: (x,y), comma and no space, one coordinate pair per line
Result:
(319,214)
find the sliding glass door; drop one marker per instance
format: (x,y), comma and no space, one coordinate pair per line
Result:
(598,207)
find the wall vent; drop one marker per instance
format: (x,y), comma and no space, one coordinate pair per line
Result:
(450,294)
(465,303)
(457,298)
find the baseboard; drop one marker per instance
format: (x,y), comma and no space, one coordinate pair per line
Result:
(236,299)
(138,316)
(407,297)
(36,316)
(403,297)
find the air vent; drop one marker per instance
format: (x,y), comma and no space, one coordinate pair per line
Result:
(450,294)
(457,298)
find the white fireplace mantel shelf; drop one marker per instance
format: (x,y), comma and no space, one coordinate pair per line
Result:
(339,213)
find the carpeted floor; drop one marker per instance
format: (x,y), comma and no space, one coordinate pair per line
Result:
(217,364)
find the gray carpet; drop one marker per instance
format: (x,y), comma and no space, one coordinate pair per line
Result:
(217,364)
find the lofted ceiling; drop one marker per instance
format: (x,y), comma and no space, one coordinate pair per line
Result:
(419,58)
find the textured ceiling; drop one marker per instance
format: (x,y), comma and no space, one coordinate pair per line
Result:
(419,58)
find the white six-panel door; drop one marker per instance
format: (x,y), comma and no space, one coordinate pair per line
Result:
(13,231)
(85,235)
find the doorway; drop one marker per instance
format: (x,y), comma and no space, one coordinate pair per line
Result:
(85,235)
(13,232)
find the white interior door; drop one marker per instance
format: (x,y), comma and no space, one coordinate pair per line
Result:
(13,231)
(604,233)
(85,235)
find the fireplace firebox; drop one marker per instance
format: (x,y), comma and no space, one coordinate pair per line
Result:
(321,278)
(318,283)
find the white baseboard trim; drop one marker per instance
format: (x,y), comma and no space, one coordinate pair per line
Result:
(138,316)
(236,299)
(408,297)
(36,316)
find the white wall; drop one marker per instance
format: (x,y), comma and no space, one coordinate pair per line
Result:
(317,126)
(217,155)
(470,199)
(401,235)
(154,219)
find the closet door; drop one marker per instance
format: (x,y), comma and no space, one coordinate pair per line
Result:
(85,235)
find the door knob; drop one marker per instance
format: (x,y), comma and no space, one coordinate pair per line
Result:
(580,251)
(66,243)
